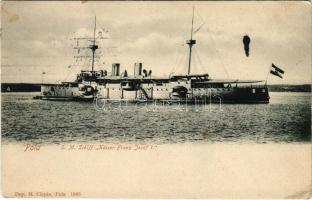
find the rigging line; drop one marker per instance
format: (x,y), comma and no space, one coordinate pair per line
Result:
(107,59)
(195,66)
(180,61)
(86,63)
(69,73)
(267,77)
(183,62)
(177,61)
(201,18)
(174,63)
(187,60)
(201,66)
(94,30)
(199,28)
(192,24)
(202,24)
(71,70)
(196,63)
(218,54)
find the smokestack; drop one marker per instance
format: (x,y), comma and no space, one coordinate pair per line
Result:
(115,69)
(137,69)
(144,73)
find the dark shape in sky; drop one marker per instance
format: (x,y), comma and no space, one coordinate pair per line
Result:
(246,41)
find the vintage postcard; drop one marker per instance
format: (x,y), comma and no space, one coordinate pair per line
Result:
(156,99)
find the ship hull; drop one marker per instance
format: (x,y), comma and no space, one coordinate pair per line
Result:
(64,92)
(196,89)
(236,95)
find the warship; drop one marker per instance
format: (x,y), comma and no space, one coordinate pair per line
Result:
(143,86)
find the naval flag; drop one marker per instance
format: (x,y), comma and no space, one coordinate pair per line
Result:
(277,71)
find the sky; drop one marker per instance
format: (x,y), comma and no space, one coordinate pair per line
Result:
(37,37)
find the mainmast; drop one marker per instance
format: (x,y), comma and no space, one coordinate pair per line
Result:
(191,42)
(93,47)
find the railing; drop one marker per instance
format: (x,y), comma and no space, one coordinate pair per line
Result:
(250,86)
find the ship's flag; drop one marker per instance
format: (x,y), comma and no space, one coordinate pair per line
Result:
(277,71)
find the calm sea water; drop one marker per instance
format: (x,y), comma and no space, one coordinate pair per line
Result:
(286,119)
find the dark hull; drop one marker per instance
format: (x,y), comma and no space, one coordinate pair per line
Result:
(236,95)
(246,95)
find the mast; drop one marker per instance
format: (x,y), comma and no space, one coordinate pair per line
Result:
(190,42)
(93,47)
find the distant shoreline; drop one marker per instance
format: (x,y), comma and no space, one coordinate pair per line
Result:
(35,87)
(290,88)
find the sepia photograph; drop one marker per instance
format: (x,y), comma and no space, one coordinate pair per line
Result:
(156,99)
